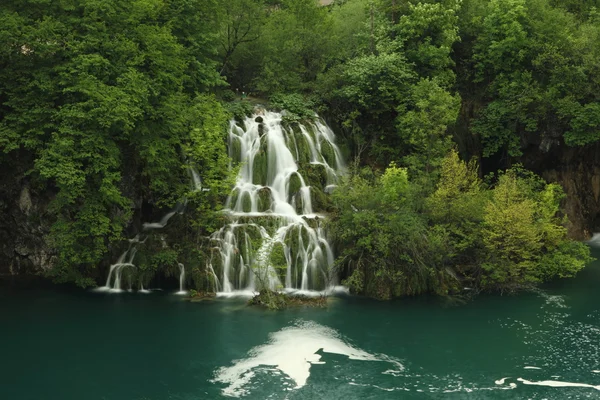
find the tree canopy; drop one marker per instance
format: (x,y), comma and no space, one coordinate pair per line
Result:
(108,105)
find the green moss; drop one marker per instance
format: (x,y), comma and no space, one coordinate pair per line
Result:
(299,203)
(203,280)
(315,175)
(235,149)
(320,201)
(278,261)
(280,301)
(260,167)
(200,295)
(234,197)
(318,280)
(264,199)
(249,240)
(246,202)
(328,153)
(294,185)
(290,140)
(304,153)
(312,222)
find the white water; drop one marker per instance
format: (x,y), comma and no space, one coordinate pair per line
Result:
(291,351)
(114,286)
(558,384)
(271,207)
(114,279)
(594,240)
(181,279)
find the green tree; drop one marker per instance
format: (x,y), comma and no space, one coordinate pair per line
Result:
(524,238)
(100,95)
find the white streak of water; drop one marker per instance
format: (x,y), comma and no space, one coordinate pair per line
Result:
(271,188)
(292,351)
(558,384)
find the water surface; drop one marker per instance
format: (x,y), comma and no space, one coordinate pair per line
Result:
(67,345)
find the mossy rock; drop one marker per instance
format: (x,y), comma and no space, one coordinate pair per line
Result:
(233,197)
(290,141)
(312,222)
(294,185)
(235,149)
(278,261)
(200,295)
(315,175)
(246,202)
(279,301)
(260,168)
(265,199)
(304,153)
(320,201)
(299,202)
(328,153)
(291,238)
(310,129)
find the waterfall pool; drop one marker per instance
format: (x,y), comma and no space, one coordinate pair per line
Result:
(67,345)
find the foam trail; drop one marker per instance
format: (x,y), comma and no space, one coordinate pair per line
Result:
(558,384)
(292,351)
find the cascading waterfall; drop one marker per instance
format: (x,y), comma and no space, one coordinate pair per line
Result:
(274,239)
(181,279)
(126,260)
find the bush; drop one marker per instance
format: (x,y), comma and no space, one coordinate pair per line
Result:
(296,107)
(499,238)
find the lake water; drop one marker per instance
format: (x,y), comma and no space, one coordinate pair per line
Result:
(65,345)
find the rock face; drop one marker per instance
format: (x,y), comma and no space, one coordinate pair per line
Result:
(24,224)
(578,171)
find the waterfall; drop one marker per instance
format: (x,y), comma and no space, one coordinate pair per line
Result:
(126,260)
(274,239)
(181,279)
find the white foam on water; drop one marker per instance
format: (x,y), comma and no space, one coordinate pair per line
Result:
(332,290)
(594,240)
(528,367)
(237,293)
(339,290)
(596,371)
(501,381)
(375,386)
(291,350)
(393,372)
(558,384)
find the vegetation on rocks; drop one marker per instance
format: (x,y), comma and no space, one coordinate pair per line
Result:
(503,236)
(106,106)
(274,300)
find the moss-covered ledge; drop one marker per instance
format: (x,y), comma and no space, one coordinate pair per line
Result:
(279,301)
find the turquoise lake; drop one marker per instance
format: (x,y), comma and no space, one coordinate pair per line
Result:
(68,344)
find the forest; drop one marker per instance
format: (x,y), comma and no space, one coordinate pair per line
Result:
(449,115)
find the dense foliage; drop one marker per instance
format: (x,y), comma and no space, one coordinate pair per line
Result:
(504,236)
(108,104)
(109,98)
